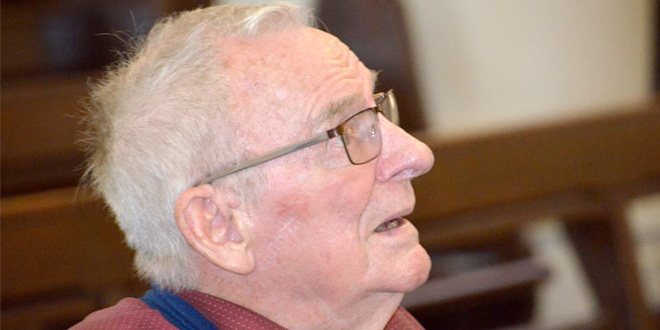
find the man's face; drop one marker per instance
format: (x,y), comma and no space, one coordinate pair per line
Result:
(315,225)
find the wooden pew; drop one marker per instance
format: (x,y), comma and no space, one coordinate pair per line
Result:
(583,172)
(39,129)
(62,258)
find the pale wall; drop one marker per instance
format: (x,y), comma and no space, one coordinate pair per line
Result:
(492,65)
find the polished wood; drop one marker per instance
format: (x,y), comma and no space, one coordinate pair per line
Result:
(605,247)
(62,258)
(41,37)
(59,313)
(584,157)
(60,239)
(467,285)
(39,129)
(487,298)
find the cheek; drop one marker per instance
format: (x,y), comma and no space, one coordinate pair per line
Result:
(351,190)
(330,197)
(327,206)
(319,217)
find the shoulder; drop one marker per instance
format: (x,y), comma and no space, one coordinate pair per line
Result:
(127,314)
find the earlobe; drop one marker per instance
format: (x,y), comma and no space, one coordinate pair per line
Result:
(214,227)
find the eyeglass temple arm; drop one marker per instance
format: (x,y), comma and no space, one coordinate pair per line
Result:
(273,155)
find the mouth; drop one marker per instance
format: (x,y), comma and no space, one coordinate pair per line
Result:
(390,224)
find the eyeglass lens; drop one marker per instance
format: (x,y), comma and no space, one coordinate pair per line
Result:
(361,134)
(362,138)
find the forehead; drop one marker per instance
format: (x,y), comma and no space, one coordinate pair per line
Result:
(295,77)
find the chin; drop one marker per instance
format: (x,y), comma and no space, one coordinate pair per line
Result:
(420,267)
(411,273)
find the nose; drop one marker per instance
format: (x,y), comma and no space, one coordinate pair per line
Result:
(403,157)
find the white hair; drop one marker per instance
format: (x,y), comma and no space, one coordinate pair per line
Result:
(156,124)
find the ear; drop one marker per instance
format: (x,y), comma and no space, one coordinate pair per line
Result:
(214,227)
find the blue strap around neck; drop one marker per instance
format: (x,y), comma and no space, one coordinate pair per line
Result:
(176,310)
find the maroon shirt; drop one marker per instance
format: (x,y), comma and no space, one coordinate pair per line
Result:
(131,313)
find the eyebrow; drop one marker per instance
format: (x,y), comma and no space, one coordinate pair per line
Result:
(338,107)
(335,109)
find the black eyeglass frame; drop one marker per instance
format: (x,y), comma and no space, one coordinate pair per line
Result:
(390,111)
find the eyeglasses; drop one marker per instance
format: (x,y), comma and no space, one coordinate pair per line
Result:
(360,135)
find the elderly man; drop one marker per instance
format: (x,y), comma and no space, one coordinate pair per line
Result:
(258,177)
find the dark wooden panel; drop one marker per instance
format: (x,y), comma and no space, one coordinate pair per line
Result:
(61,36)
(606,248)
(57,241)
(58,314)
(583,156)
(39,130)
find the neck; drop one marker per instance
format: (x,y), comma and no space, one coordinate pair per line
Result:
(373,313)
(290,310)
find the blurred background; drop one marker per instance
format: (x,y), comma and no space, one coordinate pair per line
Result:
(543,208)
